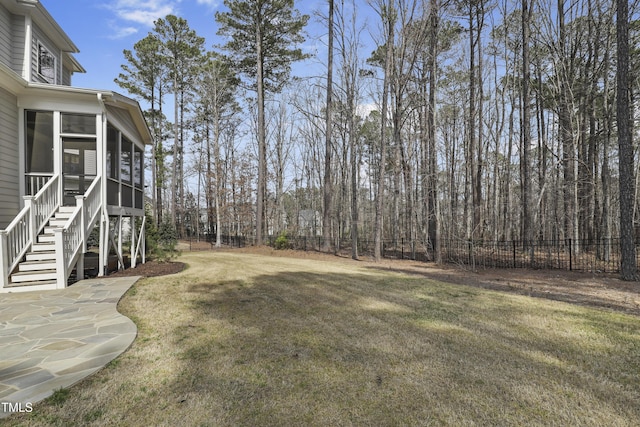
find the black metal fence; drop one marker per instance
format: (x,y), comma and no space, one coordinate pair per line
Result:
(208,242)
(598,256)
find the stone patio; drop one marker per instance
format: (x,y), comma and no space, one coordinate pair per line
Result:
(53,339)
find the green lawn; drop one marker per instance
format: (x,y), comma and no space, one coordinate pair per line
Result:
(252,340)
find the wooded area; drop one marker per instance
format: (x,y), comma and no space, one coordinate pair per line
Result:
(468,121)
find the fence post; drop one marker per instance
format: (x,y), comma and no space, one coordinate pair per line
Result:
(570,256)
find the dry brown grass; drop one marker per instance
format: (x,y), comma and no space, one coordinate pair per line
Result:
(246,339)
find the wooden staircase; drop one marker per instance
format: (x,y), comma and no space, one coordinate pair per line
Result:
(38,270)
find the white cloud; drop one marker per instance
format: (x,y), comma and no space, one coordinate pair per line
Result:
(210,3)
(120,32)
(142,12)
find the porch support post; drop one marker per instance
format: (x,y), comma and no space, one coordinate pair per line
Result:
(4,261)
(83,238)
(115,245)
(28,202)
(134,252)
(140,245)
(143,238)
(103,247)
(61,267)
(120,254)
(80,266)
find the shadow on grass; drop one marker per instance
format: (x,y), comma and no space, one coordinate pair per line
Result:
(304,348)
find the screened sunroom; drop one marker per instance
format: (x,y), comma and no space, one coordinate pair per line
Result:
(82,165)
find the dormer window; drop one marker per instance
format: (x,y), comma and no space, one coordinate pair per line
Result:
(46,64)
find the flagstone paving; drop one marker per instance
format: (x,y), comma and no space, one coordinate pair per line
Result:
(53,339)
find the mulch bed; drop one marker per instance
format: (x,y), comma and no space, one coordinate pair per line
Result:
(151,269)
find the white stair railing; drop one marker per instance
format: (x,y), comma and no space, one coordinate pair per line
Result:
(71,240)
(16,240)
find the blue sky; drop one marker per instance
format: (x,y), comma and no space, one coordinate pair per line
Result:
(102,29)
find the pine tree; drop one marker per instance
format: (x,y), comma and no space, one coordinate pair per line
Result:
(145,76)
(183,50)
(263,39)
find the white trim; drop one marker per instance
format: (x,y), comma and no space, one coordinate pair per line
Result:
(63,102)
(22,140)
(57,153)
(28,46)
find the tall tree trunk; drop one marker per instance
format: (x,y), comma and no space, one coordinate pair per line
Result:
(217,170)
(181,196)
(605,226)
(209,178)
(470,206)
(262,140)
(527,226)
(432,179)
(326,216)
(176,147)
(349,64)
(628,267)
(159,156)
(388,15)
(478,229)
(566,134)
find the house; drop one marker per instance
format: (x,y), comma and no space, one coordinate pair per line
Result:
(71,159)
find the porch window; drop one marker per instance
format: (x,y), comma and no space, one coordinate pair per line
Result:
(125,161)
(138,157)
(46,64)
(78,124)
(79,166)
(38,149)
(39,153)
(112,152)
(137,167)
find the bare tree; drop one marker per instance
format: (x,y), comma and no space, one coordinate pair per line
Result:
(327,188)
(628,267)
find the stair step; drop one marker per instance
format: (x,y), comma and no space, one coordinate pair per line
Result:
(32,276)
(57,222)
(37,265)
(43,247)
(66,209)
(46,238)
(41,256)
(50,284)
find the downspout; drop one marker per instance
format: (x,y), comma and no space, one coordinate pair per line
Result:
(28,42)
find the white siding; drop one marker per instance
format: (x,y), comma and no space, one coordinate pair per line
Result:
(5,36)
(11,40)
(18,35)
(66,77)
(9,187)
